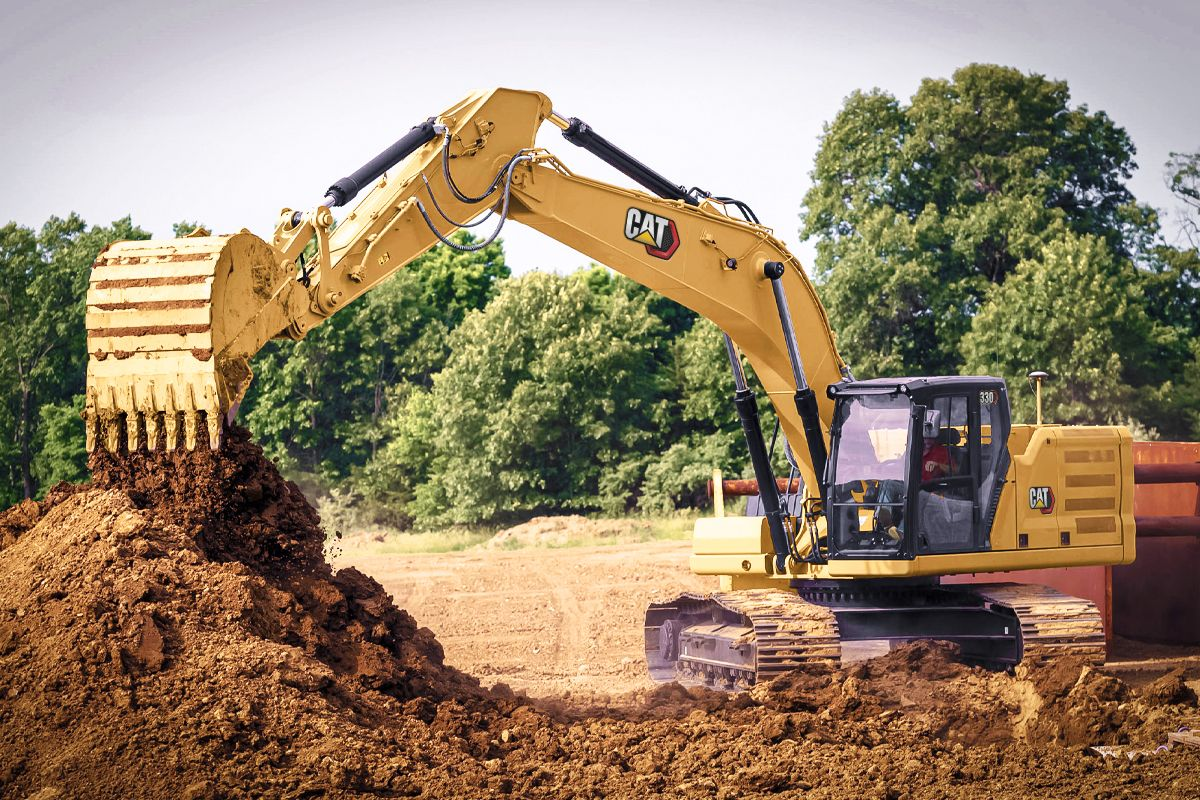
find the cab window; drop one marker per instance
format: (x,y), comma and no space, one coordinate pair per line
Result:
(869,485)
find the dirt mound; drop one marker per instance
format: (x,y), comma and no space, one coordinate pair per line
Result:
(1067,704)
(234,504)
(172,631)
(169,620)
(1170,689)
(25,514)
(563,530)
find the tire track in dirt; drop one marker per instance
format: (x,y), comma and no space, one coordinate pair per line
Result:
(531,618)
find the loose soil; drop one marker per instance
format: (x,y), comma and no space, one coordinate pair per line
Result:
(546,621)
(562,530)
(172,630)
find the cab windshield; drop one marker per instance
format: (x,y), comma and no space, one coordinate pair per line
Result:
(869,474)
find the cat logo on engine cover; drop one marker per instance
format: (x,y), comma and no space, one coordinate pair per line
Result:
(1041,498)
(657,233)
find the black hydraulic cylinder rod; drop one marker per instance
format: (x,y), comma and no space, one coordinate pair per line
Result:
(581,134)
(760,460)
(347,188)
(805,398)
(806,407)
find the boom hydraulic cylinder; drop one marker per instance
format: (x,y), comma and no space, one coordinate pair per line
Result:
(760,459)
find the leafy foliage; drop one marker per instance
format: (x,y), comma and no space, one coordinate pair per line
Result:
(1183,176)
(1064,312)
(387,483)
(60,454)
(318,406)
(43,282)
(546,402)
(187,228)
(710,435)
(919,208)
(924,212)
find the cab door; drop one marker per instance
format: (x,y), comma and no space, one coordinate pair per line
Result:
(948,508)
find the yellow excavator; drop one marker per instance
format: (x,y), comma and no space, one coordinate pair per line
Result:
(901,480)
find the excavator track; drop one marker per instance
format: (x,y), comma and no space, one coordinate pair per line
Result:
(732,640)
(1053,625)
(735,639)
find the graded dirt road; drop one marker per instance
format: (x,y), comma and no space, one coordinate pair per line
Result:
(547,621)
(556,620)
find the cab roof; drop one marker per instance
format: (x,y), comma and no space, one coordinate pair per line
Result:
(917,386)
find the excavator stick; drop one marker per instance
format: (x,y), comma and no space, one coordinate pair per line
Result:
(171,326)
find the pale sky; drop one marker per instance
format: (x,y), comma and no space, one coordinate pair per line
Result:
(226,112)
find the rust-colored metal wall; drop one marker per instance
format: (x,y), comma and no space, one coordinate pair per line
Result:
(1091,583)
(1156,598)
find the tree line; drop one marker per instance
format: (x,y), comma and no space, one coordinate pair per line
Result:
(985,226)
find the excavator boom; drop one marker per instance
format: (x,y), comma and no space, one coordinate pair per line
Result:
(172,324)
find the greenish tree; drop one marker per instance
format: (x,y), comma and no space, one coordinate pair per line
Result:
(387,482)
(20,265)
(43,283)
(318,406)
(1075,311)
(59,454)
(919,208)
(1171,280)
(546,403)
(187,228)
(1183,179)
(711,437)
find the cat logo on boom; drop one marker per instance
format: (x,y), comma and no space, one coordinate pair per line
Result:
(657,233)
(1041,498)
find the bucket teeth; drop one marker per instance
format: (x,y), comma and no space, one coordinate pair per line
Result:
(171,428)
(131,430)
(189,429)
(214,429)
(112,432)
(151,420)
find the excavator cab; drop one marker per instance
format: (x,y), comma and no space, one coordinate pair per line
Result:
(916,465)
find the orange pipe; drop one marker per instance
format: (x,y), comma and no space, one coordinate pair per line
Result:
(749,487)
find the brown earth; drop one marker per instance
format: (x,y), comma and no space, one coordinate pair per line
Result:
(561,530)
(544,621)
(557,620)
(172,631)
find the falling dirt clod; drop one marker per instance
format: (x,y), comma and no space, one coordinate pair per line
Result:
(172,630)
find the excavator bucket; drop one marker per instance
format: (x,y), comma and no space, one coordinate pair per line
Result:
(171,327)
